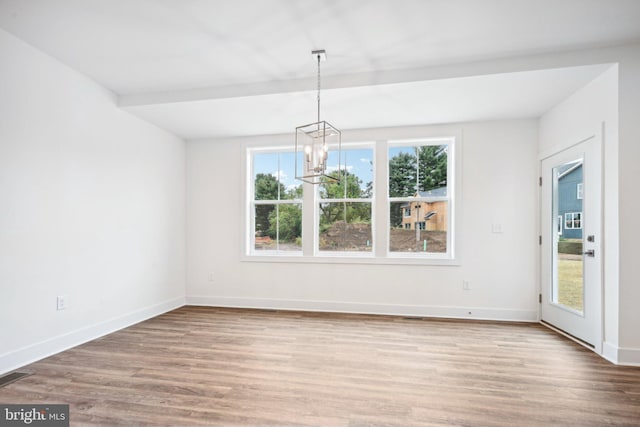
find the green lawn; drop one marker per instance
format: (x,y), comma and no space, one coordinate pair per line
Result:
(570,283)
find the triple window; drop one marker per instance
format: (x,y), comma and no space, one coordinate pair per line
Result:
(412,196)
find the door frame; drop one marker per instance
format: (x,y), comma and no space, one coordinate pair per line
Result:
(597,137)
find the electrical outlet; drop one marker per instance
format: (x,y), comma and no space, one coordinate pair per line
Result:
(211,277)
(496,228)
(61,302)
(466,285)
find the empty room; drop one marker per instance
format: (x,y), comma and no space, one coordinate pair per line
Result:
(319,212)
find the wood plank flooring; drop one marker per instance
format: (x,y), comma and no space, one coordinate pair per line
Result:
(236,367)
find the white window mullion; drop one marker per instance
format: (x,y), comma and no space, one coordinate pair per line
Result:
(309,215)
(453,169)
(380,210)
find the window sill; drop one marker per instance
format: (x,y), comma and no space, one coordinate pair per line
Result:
(367,259)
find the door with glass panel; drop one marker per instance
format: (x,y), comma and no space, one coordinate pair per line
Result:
(571,241)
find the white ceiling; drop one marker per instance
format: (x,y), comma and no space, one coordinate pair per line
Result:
(504,96)
(244,67)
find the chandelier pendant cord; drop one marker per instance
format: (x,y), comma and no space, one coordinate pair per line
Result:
(318,89)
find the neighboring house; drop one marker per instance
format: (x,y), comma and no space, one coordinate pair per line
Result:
(570,200)
(430,216)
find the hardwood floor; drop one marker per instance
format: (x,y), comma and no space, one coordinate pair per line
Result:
(211,366)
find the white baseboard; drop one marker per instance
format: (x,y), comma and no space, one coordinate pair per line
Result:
(628,356)
(621,355)
(366,308)
(610,352)
(26,355)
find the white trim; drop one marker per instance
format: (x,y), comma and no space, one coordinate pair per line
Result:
(561,224)
(475,313)
(454,195)
(430,140)
(621,355)
(278,202)
(628,356)
(326,257)
(554,151)
(610,352)
(32,353)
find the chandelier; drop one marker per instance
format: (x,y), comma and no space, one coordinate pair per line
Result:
(318,150)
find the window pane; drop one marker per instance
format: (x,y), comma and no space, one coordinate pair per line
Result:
(265,169)
(265,236)
(345,227)
(290,227)
(278,227)
(425,230)
(291,188)
(420,168)
(402,171)
(358,180)
(432,170)
(274,176)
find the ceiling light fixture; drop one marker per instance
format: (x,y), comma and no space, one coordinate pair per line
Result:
(313,142)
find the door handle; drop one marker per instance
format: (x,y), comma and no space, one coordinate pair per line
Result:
(590,252)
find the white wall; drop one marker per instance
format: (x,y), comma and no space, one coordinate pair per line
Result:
(629,213)
(92,207)
(621,178)
(498,185)
(573,120)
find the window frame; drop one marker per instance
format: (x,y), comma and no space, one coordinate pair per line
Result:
(252,203)
(317,252)
(450,198)
(579,193)
(573,220)
(380,140)
(560,225)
